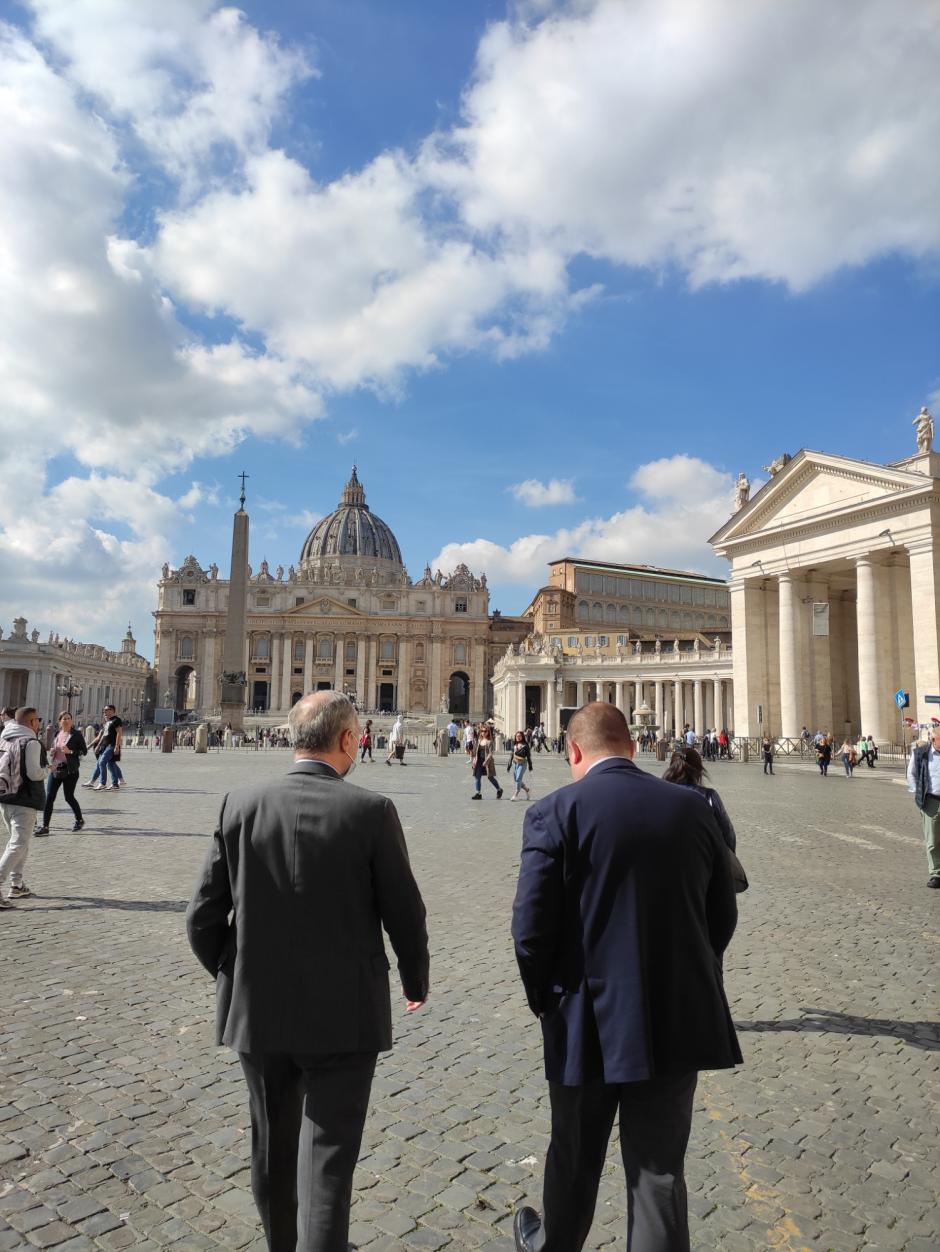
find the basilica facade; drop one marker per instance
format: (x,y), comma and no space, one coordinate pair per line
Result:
(346,617)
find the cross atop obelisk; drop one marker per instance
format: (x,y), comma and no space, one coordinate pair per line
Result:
(241,498)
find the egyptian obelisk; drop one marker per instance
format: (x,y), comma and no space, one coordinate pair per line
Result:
(234,682)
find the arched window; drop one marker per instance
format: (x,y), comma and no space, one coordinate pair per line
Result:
(262,648)
(298,649)
(597,612)
(325,650)
(611,613)
(584,611)
(419,651)
(350,649)
(186,648)
(460,653)
(649,617)
(637,617)
(387,652)
(624,613)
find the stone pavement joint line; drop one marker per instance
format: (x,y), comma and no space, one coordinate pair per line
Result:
(122,1126)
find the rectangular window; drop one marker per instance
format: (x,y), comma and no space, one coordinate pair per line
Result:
(352,602)
(420,605)
(603,640)
(189,596)
(673,593)
(556,643)
(698,595)
(572,641)
(460,606)
(589,641)
(298,600)
(686,595)
(621,640)
(298,669)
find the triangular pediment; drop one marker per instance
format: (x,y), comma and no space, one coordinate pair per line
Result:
(815,485)
(325,605)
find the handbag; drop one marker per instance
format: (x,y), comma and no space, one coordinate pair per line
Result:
(738,876)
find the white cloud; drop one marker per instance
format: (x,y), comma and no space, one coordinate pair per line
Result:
(537,494)
(347,436)
(186,75)
(689,500)
(733,140)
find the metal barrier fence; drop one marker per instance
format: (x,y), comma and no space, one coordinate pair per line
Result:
(805,750)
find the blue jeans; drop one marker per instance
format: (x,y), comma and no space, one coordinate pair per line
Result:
(478,776)
(107,762)
(519,773)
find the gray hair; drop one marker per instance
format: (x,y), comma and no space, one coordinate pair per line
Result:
(316,724)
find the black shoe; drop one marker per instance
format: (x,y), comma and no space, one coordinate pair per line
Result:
(41,830)
(79,825)
(527,1230)
(933,880)
(476,796)
(499,793)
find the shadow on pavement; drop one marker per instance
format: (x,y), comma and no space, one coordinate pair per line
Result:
(63,903)
(924,1035)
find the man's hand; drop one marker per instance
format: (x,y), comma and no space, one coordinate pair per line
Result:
(411,1005)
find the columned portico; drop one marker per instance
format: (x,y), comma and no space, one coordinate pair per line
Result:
(835,597)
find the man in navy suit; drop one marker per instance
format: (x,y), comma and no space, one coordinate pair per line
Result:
(624,906)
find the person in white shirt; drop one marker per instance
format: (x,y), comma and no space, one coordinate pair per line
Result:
(395,740)
(923,781)
(23,766)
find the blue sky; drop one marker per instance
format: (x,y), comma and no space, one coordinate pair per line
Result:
(550,274)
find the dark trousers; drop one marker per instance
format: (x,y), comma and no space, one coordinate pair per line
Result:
(67,784)
(307,1115)
(768,764)
(655,1120)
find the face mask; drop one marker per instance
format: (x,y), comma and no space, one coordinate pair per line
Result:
(353,762)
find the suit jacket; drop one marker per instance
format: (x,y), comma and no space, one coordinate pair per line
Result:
(302,875)
(624,906)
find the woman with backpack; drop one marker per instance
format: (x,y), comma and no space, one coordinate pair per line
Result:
(68,748)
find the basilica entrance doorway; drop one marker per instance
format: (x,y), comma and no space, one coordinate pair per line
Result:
(533,706)
(185,696)
(386,697)
(259,695)
(458,695)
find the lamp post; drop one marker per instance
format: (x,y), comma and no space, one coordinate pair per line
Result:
(70,691)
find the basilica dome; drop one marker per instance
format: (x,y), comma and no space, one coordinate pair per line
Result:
(352,530)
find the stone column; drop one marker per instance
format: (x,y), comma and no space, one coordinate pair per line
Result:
(551,716)
(718,712)
(361,671)
(678,717)
(925,598)
(478,700)
(579,685)
(339,661)
(869,677)
(618,698)
(436,689)
(277,656)
(637,695)
(287,662)
(404,674)
(658,690)
(207,676)
(790,670)
(699,712)
(372,693)
(308,665)
(520,705)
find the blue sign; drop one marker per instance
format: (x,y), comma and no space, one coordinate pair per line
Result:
(900,699)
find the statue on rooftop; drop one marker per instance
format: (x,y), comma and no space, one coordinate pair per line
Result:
(925,432)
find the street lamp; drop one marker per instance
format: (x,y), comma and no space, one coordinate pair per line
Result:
(70,690)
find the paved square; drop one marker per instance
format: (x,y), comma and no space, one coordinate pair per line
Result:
(121,1125)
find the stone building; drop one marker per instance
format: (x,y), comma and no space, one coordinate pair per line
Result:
(835,593)
(346,617)
(632,635)
(44,674)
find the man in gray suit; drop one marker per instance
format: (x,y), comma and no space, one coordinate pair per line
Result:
(302,875)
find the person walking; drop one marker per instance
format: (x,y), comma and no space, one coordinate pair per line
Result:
(923,781)
(22,795)
(623,909)
(365,743)
(687,769)
(520,762)
(453,731)
(396,742)
(107,748)
(469,739)
(824,755)
(767,752)
(303,873)
(482,763)
(848,754)
(68,748)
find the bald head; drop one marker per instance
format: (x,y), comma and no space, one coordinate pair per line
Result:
(318,720)
(597,730)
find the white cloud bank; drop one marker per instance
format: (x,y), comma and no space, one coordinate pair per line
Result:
(683,501)
(537,495)
(730,141)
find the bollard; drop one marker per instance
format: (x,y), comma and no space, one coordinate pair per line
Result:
(167,743)
(202,738)
(443,743)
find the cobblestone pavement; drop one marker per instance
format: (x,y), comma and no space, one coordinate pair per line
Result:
(122,1126)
